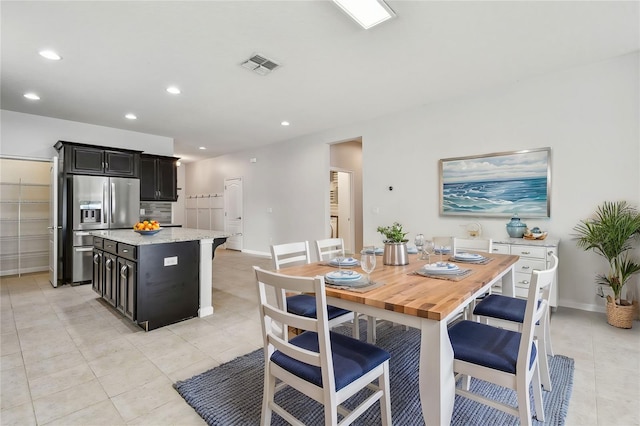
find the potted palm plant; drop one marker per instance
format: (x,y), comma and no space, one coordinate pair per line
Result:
(395,245)
(611,233)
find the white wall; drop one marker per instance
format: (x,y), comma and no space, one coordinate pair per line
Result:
(587,115)
(33,136)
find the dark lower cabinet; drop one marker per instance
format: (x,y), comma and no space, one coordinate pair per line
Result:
(152,284)
(110,278)
(98,271)
(127,287)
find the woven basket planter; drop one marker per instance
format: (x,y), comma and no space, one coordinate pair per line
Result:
(621,316)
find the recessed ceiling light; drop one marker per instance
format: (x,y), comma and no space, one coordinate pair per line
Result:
(285,123)
(32,96)
(131,116)
(202,147)
(367,13)
(173,90)
(50,54)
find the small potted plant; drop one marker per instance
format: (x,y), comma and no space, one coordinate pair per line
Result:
(395,245)
(611,233)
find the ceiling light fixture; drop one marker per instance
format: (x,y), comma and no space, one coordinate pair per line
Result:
(285,123)
(32,96)
(131,116)
(50,54)
(173,90)
(367,13)
(202,147)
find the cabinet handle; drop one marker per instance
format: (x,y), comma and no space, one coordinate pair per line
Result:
(95,258)
(123,271)
(525,282)
(524,267)
(125,251)
(106,166)
(550,252)
(525,252)
(107,264)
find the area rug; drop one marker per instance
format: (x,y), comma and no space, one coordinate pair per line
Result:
(231,394)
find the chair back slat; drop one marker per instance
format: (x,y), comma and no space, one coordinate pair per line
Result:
(536,308)
(269,282)
(290,254)
(472,244)
(329,248)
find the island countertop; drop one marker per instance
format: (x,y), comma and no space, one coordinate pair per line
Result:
(166,235)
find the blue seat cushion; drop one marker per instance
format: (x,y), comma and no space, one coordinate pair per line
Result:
(351,358)
(488,346)
(502,307)
(305,306)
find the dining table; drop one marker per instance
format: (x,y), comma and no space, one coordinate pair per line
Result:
(426,303)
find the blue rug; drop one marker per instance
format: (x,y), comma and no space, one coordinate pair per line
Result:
(231,394)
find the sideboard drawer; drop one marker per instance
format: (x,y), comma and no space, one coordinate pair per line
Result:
(529,251)
(527,266)
(500,249)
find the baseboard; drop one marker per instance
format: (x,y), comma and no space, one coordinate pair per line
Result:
(583,306)
(256,253)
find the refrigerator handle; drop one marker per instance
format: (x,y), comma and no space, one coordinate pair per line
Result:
(113,200)
(104,202)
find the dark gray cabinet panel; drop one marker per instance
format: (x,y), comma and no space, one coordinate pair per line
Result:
(158,178)
(98,160)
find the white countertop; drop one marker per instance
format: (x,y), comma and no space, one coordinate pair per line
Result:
(166,235)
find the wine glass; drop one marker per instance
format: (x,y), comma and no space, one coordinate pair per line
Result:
(429,247)
(340,259)
(419,242)
(368,262)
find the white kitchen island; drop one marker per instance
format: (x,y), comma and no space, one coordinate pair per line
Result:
(143,261)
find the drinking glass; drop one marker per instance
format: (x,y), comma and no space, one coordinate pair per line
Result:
(368,262)
(429,247)
(419,242)
(340,259)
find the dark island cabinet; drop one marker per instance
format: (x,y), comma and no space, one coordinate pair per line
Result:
(97,160)
(151,284)
(158,178)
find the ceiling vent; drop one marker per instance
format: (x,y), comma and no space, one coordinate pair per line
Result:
(260,65)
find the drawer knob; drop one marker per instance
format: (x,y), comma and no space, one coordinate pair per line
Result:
(525,252)
(525,267)
(524,282)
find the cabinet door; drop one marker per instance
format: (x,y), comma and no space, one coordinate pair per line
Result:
(126,287)
(147,178)
(110,289)
(86,160)
(98,265)
(167,179)
(121,163)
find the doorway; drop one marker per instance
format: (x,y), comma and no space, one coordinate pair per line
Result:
(233,206)
(341,196)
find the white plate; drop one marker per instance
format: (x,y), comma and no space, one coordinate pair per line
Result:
(347,261)
(442,249)
(433,268)
(378,251)
(468,256)
(343,275)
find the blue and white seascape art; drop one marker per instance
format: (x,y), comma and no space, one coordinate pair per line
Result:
(500,184)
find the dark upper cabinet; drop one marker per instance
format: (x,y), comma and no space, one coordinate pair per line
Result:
(158,178)
(96,160)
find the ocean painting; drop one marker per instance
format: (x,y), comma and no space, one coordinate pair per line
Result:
(501,184)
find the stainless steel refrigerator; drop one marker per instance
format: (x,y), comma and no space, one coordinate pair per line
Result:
(98,202)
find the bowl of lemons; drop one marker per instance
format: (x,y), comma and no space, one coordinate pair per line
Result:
(147,227)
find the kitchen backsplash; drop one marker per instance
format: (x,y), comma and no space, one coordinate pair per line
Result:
(160,211)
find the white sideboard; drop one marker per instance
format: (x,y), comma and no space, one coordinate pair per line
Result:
(534,254)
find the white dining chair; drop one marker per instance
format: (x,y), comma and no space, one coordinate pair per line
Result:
(513,309)
(472,244)
(326,366)
(290,254)
(329,248)
(504,357)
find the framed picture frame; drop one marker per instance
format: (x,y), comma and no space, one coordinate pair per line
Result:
(499,184)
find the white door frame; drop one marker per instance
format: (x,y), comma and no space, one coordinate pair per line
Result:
(53,224)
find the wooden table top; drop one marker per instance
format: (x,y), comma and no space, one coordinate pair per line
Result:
(411,294)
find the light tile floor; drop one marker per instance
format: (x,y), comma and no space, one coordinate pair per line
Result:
(69,359)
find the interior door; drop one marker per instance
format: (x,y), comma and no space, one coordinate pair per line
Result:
(53,224)
(233,212)
(346,230)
